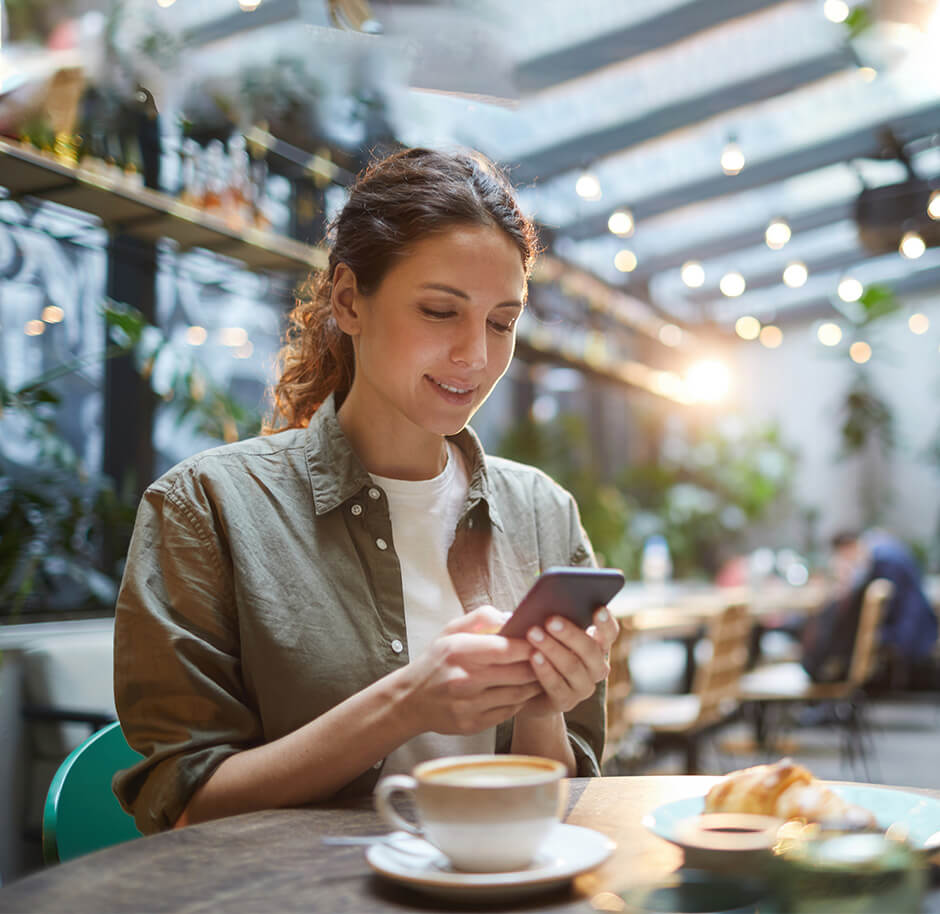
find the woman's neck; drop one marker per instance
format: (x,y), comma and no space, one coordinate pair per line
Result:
(391,450)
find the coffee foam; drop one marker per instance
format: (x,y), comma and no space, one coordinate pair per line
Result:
(489,774)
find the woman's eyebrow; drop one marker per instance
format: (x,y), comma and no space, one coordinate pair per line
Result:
(441,287)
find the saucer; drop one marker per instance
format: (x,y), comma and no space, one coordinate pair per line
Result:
(411,861)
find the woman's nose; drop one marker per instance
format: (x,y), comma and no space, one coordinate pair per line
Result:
(470,348)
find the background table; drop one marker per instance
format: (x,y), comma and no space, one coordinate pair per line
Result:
(274,861)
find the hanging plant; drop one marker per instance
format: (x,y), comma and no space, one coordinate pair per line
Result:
(865,417)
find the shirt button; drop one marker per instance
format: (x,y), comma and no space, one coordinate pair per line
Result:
(356,510)
(374,494)
(381,544)
(397,646)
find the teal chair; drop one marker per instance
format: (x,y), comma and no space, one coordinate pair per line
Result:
(82,814)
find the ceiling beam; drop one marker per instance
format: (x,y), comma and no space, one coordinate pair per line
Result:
(863,142)
(822,305)
(742,238)
(768,278)
(618,45)
(557,158)
(237,22)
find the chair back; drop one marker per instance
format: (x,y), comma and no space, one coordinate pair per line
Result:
(865,651)
(619,686)
(82,814)
(716,681)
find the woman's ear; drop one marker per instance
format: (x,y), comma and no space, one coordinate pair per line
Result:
(344,300)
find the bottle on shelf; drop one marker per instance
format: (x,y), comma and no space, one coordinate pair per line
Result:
(215,178)
(191,187)
(656,563)
(236,201)
(258,188)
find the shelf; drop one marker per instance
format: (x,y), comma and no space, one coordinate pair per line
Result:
(145,213)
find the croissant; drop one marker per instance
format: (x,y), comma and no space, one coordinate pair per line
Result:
(784,790)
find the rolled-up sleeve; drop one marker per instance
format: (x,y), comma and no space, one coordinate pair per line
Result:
(179,691)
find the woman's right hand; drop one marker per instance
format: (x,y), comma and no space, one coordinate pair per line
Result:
(470,678)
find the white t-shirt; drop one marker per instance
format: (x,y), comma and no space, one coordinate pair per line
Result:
(424,515)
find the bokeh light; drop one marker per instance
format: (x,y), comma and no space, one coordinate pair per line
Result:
(732,285)
(829,334)
(747,327)
(860,352)
(771,336)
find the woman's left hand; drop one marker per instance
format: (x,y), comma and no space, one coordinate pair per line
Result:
(569,662)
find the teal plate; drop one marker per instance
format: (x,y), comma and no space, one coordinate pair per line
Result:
(917,814)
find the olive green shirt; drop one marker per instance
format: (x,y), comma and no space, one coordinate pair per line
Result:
(262,589)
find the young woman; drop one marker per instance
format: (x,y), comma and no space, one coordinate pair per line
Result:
(306,611)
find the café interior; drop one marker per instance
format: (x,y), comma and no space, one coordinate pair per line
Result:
(728,355)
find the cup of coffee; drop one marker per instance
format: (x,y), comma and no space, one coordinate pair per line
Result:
(486,813)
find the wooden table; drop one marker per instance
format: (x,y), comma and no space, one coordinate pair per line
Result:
(274,861)
(681,611)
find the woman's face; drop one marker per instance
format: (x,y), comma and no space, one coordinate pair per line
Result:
(439,331)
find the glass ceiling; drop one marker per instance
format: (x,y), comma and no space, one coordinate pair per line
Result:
(645,94)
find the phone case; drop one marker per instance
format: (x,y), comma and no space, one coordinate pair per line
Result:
(575,593)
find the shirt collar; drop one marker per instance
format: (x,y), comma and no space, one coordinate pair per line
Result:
(336,473)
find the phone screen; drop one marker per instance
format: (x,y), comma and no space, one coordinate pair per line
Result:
(575,593)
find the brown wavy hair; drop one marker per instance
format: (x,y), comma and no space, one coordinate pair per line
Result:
(395,203)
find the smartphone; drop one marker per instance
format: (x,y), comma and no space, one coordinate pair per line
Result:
(575,593)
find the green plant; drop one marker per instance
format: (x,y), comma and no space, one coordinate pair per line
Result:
(701,500)
(562,448)
(64,531)
(866,418)
(708,492)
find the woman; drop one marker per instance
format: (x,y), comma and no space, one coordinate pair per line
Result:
(306,611)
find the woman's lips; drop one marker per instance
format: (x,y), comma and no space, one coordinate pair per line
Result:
(453,393)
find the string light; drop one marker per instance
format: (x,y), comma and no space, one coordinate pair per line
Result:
(732,158)
(249,6)
(771,337)
(860,352)
(233,336)
(777,234)
(836,10)
(34,328)
(53,314)
(670,335)
(868,74)
(196,335)
(912,246)
(933,205)
(165,4)
(918,323)
(732,285)
(625,261)
(621,223)
(829,334)
(795,274)
(693,274)
(747,327)
(588,187)
(850,289)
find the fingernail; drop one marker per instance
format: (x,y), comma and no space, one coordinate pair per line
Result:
(536,634)
(538,658)
(602,615)
(556,625)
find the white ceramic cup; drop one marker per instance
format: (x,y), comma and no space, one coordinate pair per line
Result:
(486,813)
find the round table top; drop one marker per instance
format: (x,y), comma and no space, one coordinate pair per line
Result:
(275,861)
